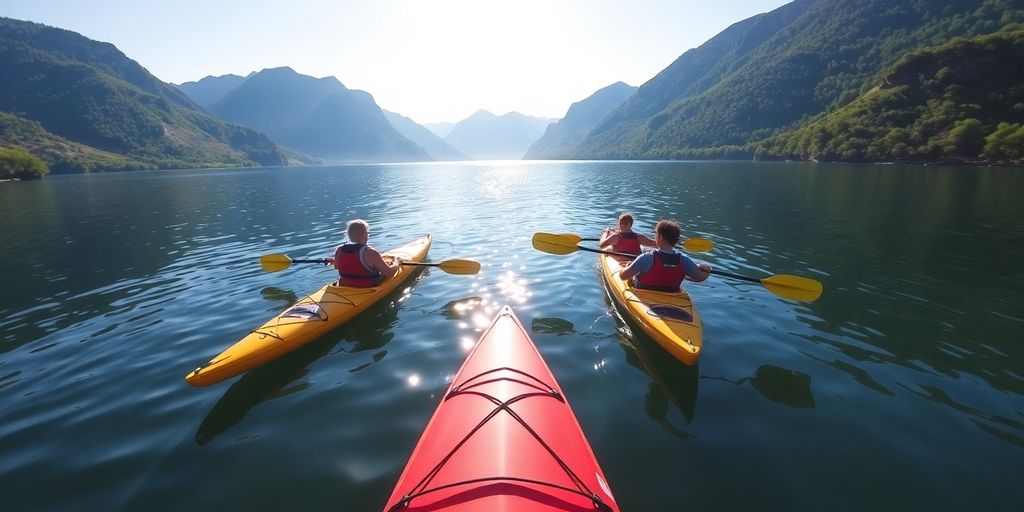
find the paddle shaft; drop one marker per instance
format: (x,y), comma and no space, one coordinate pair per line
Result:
(735,276)
(409,263)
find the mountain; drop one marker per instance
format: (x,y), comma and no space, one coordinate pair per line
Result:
(441,129)
(435,146)
(776,71)
(318,116)
(960,101)
(84,97)
(582,116)
(485,136)
(211,89)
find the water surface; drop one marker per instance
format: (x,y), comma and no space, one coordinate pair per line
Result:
(900,388)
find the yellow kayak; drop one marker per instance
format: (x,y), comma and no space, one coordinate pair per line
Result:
(669,318)
(304,321)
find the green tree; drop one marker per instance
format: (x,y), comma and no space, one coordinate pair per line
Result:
(1006,143)
(17,163)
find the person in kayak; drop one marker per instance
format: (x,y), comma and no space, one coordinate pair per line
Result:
(664,269)
(624,239)
(358,264)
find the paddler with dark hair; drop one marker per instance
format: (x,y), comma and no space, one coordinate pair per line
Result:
(360,265)
(624,239)
(664,269)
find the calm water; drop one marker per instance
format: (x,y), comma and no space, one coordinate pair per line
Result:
(901,388)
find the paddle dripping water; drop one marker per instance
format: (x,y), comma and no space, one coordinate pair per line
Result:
(503,438)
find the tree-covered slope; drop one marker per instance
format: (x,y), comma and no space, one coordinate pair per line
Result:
(562,136)
(775,71)
(963,100)
(90,93)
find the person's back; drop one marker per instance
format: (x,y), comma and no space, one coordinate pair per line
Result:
(664,269)
(350,260)
(358,264)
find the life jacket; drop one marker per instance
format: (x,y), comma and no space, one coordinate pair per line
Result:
(352,270)
(628,243)
(666,274)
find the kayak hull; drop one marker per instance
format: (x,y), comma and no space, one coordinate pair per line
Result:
(495,441)
(306,320)
(669,318)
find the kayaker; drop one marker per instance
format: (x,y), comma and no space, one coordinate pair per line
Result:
(358,264)
(624,239)
(665,268)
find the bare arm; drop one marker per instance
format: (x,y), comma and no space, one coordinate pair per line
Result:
(632,270)
(646,241)
(608,237)
(702,273)
(376,261)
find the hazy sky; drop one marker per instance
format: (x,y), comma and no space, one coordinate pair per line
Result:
(429,60)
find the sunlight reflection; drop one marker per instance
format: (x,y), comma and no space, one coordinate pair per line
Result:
(413,380)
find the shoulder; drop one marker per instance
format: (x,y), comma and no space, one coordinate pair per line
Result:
(644,260)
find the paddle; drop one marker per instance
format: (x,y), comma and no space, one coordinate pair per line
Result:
(790,287)
(690,244)
(277,262)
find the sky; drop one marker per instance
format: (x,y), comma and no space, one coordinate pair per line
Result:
(432,61)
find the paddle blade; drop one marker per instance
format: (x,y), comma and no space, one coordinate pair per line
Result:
(698,245)
(461,267)
(556,244)
(275,262)
(793,287)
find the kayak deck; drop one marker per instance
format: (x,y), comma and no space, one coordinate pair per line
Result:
(669,318)
(503,438)
(306,320)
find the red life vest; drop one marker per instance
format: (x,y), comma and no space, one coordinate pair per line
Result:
(348,259)
(666,274)
(628,243)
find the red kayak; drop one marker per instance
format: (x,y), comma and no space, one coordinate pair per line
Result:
(503,438)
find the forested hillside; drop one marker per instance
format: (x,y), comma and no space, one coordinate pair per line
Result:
(960,101)
(105,108)
(777,71)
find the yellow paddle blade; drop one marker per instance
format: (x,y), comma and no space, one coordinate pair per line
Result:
(556,244)
(275,262)
(698,245)
(461,267)
(793,287)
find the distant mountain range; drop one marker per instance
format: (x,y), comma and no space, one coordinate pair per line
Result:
(849,80)
(485,136)
(564,135)
(82,105)
(211,89)
(317,116)
(441,129)
(434,145)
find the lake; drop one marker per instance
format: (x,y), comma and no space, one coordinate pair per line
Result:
(901,388)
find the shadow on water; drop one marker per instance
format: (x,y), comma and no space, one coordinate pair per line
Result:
(275,294)
(260,385)
(371,330)
(671,381)
(787,387)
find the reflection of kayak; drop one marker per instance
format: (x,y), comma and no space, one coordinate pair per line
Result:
(503,438)
(304,321)
(669,318)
